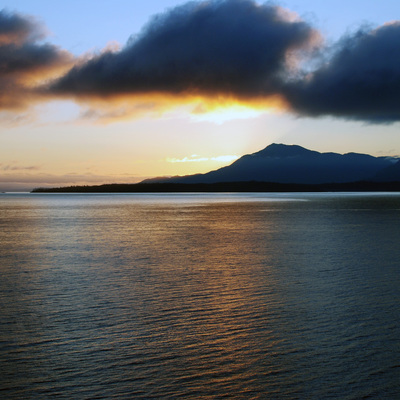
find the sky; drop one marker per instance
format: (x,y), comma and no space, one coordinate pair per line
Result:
(118,91)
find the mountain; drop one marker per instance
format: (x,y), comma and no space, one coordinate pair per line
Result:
(298,165)
(389,174)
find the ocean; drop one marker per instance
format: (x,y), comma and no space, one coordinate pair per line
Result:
(200,296)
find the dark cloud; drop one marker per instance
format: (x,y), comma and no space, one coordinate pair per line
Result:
(15,28)
(361,80)
(244,50)
(23,60)
(218,49)
(235,47)
(26,58)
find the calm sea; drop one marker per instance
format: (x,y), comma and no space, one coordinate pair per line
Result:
(200,296)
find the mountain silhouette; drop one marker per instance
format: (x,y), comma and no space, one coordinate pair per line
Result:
(297,165)
(389,174)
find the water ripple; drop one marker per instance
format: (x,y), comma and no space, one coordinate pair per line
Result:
(106,297)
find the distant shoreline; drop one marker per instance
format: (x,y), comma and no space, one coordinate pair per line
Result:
(362,186)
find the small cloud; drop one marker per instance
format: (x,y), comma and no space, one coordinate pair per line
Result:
(187,159)
(196,158)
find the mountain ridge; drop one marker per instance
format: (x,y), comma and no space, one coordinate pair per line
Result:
(294,164)
(276,168)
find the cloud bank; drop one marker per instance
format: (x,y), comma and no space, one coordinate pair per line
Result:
(216,50)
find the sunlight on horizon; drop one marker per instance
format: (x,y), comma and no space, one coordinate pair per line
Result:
(221,115)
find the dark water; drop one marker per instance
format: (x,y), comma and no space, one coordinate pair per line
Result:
(246,296)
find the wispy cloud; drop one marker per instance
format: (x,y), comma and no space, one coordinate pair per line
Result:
(196,158)
(13,167)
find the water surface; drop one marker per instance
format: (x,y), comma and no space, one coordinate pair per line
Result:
(243,296)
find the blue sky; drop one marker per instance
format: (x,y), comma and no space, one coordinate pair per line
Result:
(62,141)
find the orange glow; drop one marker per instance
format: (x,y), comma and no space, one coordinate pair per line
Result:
(216,108)
(35,77)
